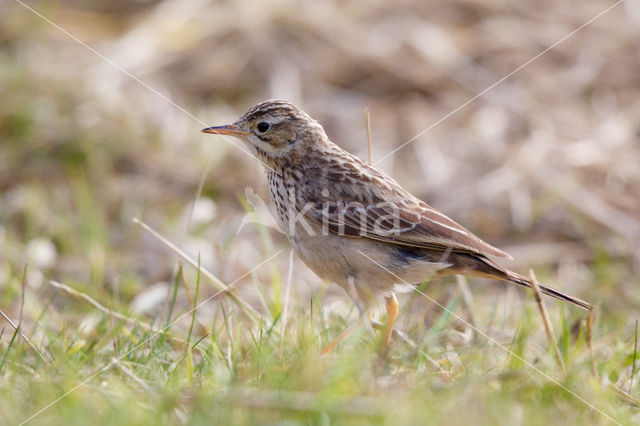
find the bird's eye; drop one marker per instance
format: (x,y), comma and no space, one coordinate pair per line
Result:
(263,126)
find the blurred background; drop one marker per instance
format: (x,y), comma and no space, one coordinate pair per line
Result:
(102,104)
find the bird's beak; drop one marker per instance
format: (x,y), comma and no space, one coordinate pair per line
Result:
(229,129)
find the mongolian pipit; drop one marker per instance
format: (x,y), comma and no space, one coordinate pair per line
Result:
(351,223)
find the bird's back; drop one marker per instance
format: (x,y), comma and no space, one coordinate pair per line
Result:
(356,199)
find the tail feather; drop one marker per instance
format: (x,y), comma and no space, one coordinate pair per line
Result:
(474,264)
(526,282)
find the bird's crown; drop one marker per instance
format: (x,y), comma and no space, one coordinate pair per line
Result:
(276,130)
(275,107)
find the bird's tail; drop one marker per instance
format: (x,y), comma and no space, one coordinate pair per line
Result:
(526,282)
(486,267)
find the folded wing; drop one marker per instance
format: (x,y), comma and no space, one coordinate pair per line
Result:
(362,202)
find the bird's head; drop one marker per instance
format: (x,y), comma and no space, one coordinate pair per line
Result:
(275,129)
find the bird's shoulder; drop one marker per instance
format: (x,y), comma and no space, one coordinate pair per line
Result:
(335,174)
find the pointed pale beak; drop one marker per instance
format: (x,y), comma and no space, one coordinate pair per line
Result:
(229,129)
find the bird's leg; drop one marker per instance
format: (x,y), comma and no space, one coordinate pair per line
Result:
(392,313)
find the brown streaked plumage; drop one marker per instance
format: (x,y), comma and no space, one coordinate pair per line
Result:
(335,207)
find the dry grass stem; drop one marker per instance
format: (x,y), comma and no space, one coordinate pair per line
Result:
(129,373)
(545,320)
(590,315)
(185,285)
(626,396)
(247,309)
(18,328)
(100,307)
(395,333)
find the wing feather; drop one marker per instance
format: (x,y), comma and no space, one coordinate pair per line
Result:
(362,202)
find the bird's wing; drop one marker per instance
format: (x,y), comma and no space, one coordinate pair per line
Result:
(361,201)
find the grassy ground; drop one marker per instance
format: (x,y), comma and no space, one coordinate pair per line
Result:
(544,165)
(223,368)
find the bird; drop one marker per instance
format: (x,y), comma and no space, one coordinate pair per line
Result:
(354,225)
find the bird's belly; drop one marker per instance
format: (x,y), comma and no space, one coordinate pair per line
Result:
(333,257)
(375,268)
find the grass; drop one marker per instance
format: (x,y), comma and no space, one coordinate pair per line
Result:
(189,367)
